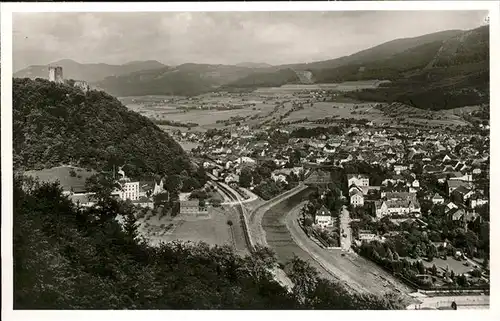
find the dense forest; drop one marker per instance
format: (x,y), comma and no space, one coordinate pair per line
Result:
(392,68)
(434,89)
(265,79)
(71,258)
(157,82)
(56,124)
(456,75)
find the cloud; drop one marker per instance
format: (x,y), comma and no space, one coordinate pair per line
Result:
(218,37)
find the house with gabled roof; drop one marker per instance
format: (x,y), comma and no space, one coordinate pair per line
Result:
(437,199)
(356,197)
(461,194)
(323,217)
(454,184)
(358,180)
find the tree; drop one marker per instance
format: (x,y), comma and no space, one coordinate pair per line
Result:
(216,202)
(396,256)
(434,270)
(303,276)
(102,186)
(390,256)
(421,267)
(245,178)
(461,280)
(308,222)
(486,264)
(431,252)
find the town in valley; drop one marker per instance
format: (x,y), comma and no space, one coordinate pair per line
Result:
(380,193)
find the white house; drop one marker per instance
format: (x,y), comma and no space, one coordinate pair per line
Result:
(437,199)
(245,160)
(278,177)
(356,197)
(323,217)
(399,206)
(398,168)
(463,178)
(358,180)
(475,202)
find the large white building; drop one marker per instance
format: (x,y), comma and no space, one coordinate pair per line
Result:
(130,191)
(397,204)
(358,180)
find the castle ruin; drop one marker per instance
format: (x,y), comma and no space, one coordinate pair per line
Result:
(56,74)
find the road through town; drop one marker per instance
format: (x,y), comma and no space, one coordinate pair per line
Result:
(357,272)
(345,242)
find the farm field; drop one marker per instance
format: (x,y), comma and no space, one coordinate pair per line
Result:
(209,117)
(416,115)
(322,110)
(259,106)
(344,86)
(212,229)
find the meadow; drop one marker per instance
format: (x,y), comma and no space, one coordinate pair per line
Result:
(211,229)
(259,108)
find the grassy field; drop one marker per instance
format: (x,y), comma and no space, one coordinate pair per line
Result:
(208,117)
(164,108)
(63,175)
(344,86)
(212,229)
(322,110)
(416,115)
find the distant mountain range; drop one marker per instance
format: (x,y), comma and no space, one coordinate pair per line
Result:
(454,61)
(88,72)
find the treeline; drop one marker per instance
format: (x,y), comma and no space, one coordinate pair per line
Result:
(265,79)
(71,258)
(304,132)
(57,124)
(174,123)
(423,95)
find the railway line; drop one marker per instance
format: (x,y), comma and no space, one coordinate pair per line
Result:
(232,195)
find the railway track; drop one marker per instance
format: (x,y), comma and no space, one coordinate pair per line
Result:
(239,207)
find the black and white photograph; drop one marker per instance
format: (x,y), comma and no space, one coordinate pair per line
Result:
(266,159)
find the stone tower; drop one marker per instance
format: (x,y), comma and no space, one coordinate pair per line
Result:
(56,74)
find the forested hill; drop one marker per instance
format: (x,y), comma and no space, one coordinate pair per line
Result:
(55,124)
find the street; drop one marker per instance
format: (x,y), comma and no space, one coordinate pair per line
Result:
(345,242)
(357,272)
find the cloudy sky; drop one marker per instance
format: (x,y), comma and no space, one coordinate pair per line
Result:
(218,37)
